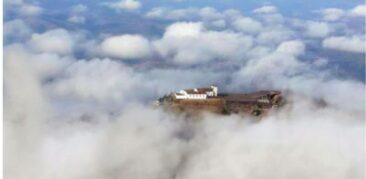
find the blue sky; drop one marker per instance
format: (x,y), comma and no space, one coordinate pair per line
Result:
(288,7)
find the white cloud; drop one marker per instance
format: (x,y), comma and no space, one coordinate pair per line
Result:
(101,80)
(97,132)
(30,10)
(254,151)
(274,19)
(320,62)
(25,110)
(58,41)
(232,13)
(259,51)
(43,65)
(16,29)
(175,14)
(183,29)
(77,19)
(274,36)
(246,24)
(13,2)
(22,8)
(265,10)
(21,86)
(79,8)
(332,14)
(189,43)
(128,5)
(76,15)
(180,14)
(275,67)
(155,13)
(210,13)
(335,14)
(283,70)
(48,65)
(358,11)
(337,92)
(126,47)
(206,13)
(317,29)
(294,48)
(343,43)
(218,23)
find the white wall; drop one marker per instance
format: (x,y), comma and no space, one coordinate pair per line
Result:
(191,96)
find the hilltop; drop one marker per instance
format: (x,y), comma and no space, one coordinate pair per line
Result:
(209,99)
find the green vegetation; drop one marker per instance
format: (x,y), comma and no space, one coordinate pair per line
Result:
(166,99)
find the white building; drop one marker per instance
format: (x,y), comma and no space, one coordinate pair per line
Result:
(197,93)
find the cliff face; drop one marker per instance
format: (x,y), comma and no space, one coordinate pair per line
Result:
(215,105)
(257,103)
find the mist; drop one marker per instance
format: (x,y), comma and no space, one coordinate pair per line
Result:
(77,95)
(302,140)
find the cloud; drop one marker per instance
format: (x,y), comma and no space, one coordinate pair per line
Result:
(246,24)
(332,14)
(79,8)
(25,110)
(294,47)
(273,20)
(190,43)
(210,13)
(218,23)
(321,62)
(30,10)
(335,14)
(317,29)
(97,143)
(94,112)
(78,19)
(274,36)
(77,14)
(109,145)
(22,8)
(44,65)
(358,11)
(184,29)
(13,2)
(273,67)
(206,13)
(16,29)
(58,41)
(128,5)
(155,13)
(104,143)
(20,75)
(284,69)
(126,47)
(49,65)
(354,44)
(329,89)
(83,80)
(232,13)
(265,10)
(254,151)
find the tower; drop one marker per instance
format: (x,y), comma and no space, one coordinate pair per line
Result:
(215,90)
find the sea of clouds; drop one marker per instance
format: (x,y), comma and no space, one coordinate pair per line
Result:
(79,107)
